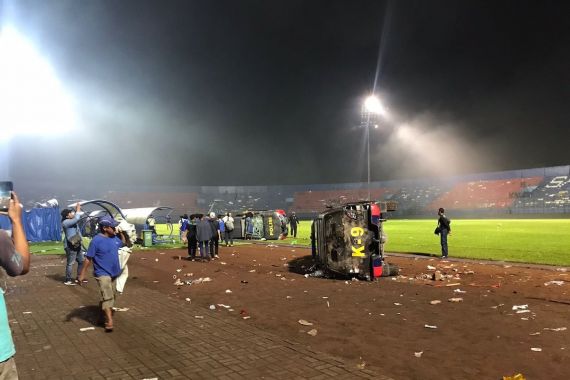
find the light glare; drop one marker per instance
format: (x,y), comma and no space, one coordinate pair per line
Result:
(32,100)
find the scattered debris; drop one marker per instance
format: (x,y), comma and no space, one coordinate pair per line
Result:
(288,297)
(26,312)
(522,311)
(561,269)
(437,276)
(312,332)
(459,291)
(246,317)
(536,349)
(434,302)
(418,354)
(554,282)
(119,309)
(199,316)
(178,282)
(224,306)
(305,323)
(361,365)
(535,333)
(212,307)
(556,329)
(188,300)
(430,327)
(456,299)
(518,376)
(453,284)
(155,259)
(86,329)
(244,282)
(228,291)
(397,304)
(251,271)
(429,267)
(179,270)
(520,307)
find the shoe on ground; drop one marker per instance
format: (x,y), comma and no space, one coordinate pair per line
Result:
(69,283)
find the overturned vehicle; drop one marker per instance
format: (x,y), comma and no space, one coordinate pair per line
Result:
(349,240)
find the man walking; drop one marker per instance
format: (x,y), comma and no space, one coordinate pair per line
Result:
(444,229)
(294,222)
(190,237)
(15,259)
(204,235)
(103,252)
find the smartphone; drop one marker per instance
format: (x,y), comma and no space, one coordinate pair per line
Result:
(5,195)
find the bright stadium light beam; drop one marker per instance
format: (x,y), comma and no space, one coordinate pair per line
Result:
(32,99)
(373,105)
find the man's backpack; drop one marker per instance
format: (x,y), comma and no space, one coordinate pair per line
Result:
(229,224)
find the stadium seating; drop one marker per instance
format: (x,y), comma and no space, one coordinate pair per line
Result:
(552,195)
(486,194)
(311,202)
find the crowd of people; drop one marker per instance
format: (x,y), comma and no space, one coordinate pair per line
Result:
(204,234)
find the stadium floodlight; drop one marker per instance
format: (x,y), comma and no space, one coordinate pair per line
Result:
(32,99)
(373,105)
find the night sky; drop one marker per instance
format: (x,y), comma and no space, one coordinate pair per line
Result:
(269,92)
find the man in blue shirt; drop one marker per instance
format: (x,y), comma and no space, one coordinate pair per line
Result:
(103,253)
(15,259)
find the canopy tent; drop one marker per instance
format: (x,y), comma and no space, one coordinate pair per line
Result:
(139,216)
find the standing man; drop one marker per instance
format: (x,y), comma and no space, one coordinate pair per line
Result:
(229,228)
(190,237)
(294,222)
(103,252)
(215,241)
(444,228)
(72,242)
(204,235)
(151,224)
(15,259)
(222,230)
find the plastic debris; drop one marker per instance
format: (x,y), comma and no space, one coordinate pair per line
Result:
(223,262)
(246,317)
(228,291)
(456,299)
(536,349)
(418,354)
(86,329)
(430,267)
(520,307)
(179,270)
(459,291)
(199,316)
(119,309)
(188,299)
(430,327)
(212,307)
(554,282)
(224,306)
(305,323)
(535,333)
(522,311)
(397,304)
(312,332)
(251,271)
(434,302)
(155,259)
(556,329)
(288,297)
(26,312)
(518,376)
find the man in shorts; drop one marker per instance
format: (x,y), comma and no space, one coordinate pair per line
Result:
(103,253)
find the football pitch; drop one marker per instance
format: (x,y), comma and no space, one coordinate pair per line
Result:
(538,241)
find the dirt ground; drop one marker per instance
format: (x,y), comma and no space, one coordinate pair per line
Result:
(383,323)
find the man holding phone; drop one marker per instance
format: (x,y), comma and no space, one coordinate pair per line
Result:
(15,259)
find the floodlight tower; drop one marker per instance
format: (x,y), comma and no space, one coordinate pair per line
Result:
(372,109)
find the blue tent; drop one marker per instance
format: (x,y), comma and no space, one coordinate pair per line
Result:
(40,224)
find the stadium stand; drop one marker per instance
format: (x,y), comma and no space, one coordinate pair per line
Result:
(550,196)
(486,194)
(312,202)
(415,199)
(181,202)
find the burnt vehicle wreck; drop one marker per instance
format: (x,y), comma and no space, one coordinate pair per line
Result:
(349,240)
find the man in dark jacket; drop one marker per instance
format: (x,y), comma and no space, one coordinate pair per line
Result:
(215,241)
(204,235)
(189,235)
(444,228)
(293,221)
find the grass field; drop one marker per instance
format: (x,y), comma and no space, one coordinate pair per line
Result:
(539,241)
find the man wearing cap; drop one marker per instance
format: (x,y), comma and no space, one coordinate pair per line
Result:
(103,252)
